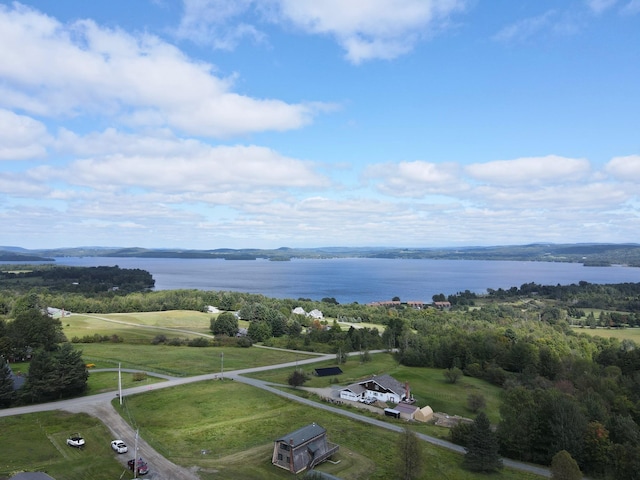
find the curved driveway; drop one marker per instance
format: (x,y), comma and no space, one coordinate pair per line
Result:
(100,406)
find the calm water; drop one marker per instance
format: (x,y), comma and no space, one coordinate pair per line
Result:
(359,280)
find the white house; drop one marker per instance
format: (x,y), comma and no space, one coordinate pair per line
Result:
(383,388)
(315,313)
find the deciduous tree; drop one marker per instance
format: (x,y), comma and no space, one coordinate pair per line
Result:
(564,467)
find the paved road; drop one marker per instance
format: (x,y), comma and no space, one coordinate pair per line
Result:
(161,469)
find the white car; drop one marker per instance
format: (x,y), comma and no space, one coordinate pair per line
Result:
(119,446)
(75,440)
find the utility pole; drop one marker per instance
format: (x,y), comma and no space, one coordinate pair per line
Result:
(119,385)
(135,459)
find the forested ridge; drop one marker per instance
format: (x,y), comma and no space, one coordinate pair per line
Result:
(563,390)
(592,254)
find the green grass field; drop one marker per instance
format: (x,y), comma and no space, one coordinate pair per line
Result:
(619,333)
(181,361)
(229,428)
(138,327)
(37,442)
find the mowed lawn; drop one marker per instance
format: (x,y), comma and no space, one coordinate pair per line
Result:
(427,385)
(37,442)
(227,429)
(183,360)
(139,327)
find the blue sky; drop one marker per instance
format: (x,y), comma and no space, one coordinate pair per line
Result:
(266,123)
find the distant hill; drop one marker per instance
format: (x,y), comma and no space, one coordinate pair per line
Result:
(590,254)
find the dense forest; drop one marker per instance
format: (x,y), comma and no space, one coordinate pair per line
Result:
(562,389)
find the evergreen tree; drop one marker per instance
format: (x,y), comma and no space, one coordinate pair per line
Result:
(482,449)
(564,467)
(7,393)
(410,459)
(71,370)
(55,374)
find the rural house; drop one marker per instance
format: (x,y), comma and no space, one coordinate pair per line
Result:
(302,449)
(382,388)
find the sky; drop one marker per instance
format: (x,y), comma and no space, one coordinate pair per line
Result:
(203,124)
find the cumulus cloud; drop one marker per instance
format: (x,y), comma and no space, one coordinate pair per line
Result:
(21,137)
(551,169)
(371,29)
(624,168)
(416,179)
(51,69)
(116,160)
(365,29)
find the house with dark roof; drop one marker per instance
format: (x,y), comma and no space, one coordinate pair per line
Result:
(303,449)
(382,388)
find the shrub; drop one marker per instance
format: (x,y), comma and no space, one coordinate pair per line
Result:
(198,342)
(139,376)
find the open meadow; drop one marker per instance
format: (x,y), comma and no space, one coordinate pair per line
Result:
(619,333)
(139,326)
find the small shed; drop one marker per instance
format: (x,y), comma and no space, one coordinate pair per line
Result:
(407,411)
(425,414)
(303,449)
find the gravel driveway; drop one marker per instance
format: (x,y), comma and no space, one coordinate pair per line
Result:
(159,467)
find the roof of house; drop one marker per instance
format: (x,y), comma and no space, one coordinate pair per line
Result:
(386,381)
(406,408)
(303,435)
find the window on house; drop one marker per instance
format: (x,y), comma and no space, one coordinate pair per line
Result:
(280,456)
(284,446)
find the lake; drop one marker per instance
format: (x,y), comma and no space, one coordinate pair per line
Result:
(361,280)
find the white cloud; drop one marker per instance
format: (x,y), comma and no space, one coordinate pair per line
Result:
(210,22)
(50,69)
(365,29)
(626,169)
(116,160)
(551,169)
(371,29)
(21,137)
(416,179)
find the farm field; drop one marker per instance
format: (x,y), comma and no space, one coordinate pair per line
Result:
(139,326)
(234,439)
(619,333)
